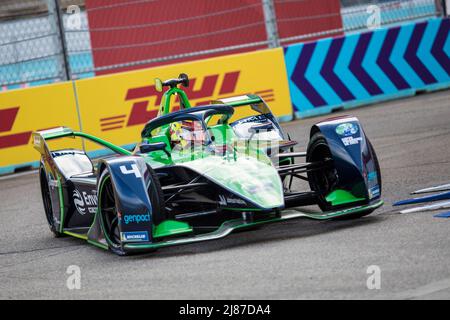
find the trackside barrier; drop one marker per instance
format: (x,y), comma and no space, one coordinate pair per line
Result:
(359,69)
(24,110)
(115,107)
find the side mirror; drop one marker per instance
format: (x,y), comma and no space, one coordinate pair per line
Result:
(158,85)
(184,80)
(150,147)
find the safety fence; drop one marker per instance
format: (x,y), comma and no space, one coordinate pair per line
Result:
(47,41)
(299,80)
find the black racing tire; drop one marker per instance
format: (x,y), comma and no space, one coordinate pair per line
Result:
(377,167)
(321,181)
(157,198)
(47,202)
(377,164)
(108,211)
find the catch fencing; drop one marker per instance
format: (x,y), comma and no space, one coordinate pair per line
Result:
(47,41)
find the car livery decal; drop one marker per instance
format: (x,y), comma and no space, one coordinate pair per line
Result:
(85,202)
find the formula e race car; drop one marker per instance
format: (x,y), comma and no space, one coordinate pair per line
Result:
(201,172)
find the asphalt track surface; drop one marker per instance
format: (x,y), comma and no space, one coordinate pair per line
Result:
(299,259)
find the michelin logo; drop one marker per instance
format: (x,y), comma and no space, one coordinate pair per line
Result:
(136,236)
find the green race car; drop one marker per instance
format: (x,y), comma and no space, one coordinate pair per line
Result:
(202,172)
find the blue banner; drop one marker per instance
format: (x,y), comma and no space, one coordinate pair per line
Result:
(357,69)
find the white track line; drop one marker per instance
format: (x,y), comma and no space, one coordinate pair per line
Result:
(443,187)
(17,175)
(430,207)
(425,290)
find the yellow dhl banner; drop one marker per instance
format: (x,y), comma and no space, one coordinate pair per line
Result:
(116,107)
(23,111)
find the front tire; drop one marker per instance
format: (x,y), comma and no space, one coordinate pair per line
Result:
(324,181)
(109,219)
(321,181)
(107,209)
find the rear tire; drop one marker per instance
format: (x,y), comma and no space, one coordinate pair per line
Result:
(47,202)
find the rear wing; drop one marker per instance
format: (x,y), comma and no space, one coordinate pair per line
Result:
(40,138)
(239,100)
(256,102)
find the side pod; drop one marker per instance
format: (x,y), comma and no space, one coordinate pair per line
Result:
(354,157)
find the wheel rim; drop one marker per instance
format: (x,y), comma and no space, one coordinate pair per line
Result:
(109,212)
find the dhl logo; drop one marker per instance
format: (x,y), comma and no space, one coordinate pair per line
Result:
(211,88)
(7,120)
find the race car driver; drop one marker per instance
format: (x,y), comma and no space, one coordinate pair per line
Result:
(186,134)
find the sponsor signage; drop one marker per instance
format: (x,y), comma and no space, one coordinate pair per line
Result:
(116,107)
(26,110)
(85,202)
(135,236)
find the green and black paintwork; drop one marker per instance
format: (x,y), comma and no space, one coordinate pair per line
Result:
(158,195)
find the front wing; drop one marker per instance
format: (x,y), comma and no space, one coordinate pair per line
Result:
(229,226)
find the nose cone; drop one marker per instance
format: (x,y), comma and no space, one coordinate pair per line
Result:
(255,181)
